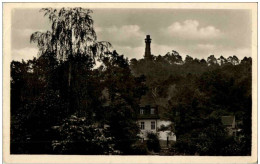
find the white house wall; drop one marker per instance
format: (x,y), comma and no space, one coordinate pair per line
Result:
(147,127)
(163,134)
(158,123)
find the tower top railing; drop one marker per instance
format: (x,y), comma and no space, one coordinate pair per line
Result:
(148,38)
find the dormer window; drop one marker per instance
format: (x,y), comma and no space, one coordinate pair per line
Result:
(141,111)
(152,110)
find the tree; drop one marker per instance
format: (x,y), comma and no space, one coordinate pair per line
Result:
(35,106)
(72,34)
(247,60)
(76,135)
(133,61)
(66,53)
(233,60)
(222,60)
(124,92)
(173,57)
(153,143)
(188,59)
(160,59)
(212,60)
(203,62)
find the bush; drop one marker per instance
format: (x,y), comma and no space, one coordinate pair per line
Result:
(140,148)
(76,136)
(153,143)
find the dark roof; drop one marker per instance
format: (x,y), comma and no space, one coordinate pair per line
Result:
(148,116)
(227,120)
(147,100)
(163,102)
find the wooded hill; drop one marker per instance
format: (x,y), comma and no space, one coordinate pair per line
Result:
(196,93)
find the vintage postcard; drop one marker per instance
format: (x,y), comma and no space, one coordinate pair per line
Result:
(130,82)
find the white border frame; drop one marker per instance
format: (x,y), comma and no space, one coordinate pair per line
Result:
(7,7)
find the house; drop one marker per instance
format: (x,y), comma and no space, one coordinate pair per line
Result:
(230,123)
(150,122)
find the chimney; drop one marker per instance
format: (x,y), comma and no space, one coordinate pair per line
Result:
(147,54)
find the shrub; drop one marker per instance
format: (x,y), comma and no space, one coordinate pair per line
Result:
(153,143)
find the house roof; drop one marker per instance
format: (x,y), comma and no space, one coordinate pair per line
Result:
(150,116)
(149,100)
(227,120)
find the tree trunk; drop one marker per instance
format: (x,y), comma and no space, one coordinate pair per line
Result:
(70,52)
(70,104)
(69,76)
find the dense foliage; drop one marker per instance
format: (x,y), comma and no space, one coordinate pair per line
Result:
(79,136)
(60,101)
(41,102)
(198,93)
(153,143)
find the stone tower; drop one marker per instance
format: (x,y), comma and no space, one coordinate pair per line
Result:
(148,54)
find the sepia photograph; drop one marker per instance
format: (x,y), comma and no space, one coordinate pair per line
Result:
(122,80)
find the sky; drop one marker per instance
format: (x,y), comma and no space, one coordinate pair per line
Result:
(197,33)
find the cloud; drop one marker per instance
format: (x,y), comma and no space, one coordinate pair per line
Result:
(190,29)
(130,52)
(206,46)
(27,32)
(127,35)
(24,53)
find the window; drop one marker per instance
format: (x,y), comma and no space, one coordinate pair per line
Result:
(152,110)
(142,125)
(141,111)
(152,125)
